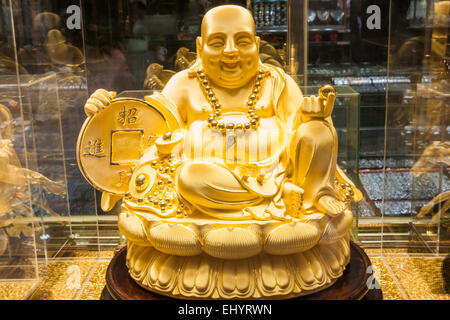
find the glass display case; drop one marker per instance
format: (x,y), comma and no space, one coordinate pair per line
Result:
(389,64)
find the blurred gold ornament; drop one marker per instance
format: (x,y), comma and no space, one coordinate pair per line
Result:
(184,59)
(20,226)
(269,55)
(156,77)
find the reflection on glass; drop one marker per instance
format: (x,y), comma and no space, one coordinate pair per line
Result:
(435,156)
(417,159)
(15,220)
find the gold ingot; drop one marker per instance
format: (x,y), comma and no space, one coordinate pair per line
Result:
(167,145)
(142,182)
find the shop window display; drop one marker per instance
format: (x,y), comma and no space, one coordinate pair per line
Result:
(390,113)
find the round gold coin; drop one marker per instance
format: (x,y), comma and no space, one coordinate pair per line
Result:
(113,140)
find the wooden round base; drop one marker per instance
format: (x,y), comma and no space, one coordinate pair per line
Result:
(351,285)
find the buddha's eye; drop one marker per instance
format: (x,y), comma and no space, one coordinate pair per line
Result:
(244,41)
(216,43)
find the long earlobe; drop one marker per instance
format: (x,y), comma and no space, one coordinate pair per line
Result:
(199,44)
(258,41)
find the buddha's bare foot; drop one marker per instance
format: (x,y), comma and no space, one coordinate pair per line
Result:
(331,206)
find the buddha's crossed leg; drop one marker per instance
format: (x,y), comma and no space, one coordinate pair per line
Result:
(313,156)
(214,190)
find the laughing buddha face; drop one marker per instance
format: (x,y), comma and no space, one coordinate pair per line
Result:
(229,47)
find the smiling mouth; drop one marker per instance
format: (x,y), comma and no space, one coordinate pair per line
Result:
(230,65)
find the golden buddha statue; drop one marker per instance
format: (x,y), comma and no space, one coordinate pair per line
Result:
(228,176)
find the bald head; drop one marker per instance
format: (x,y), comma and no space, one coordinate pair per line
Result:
(228,47)
(222,16)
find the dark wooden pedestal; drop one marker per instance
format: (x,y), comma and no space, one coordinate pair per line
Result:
(351,286)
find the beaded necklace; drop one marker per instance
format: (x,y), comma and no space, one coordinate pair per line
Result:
(215,117)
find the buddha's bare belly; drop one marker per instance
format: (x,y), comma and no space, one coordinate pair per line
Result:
(255,147)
